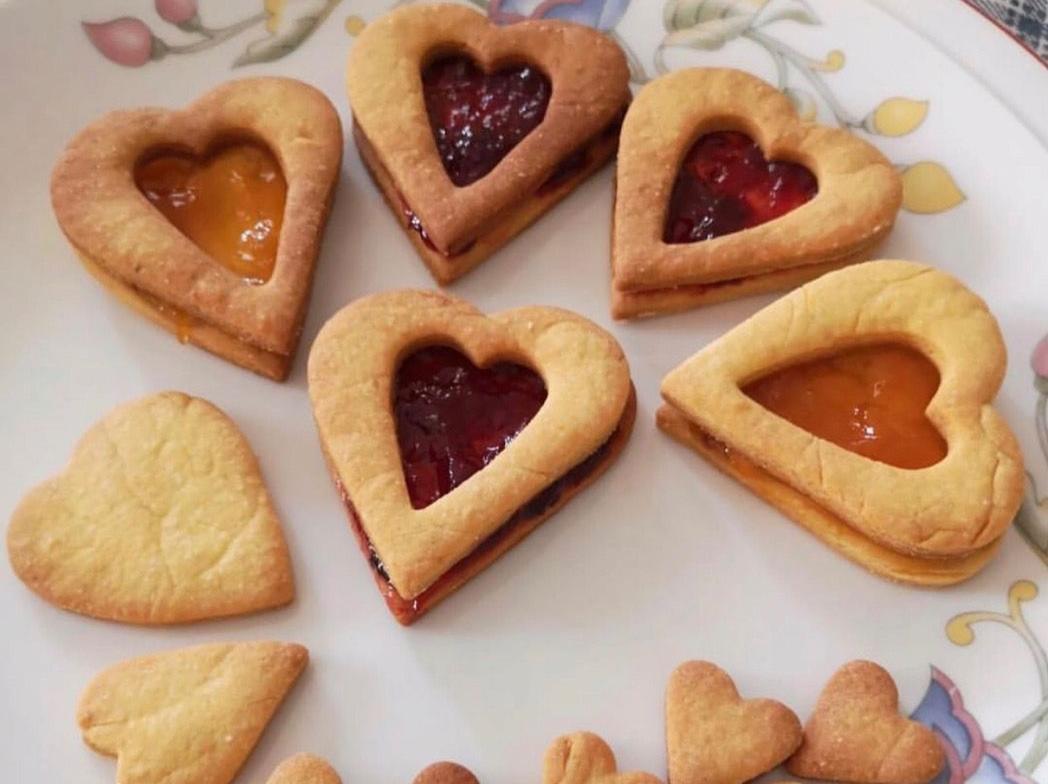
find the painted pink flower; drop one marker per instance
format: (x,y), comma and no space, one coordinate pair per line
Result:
(1039,360)
(176,11)
(126,41)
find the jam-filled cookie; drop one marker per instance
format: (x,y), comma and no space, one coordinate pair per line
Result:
(859,405)
(451,435)
(723,191)
(472,131)
(207,220)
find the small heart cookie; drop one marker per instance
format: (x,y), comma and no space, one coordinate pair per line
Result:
(856,733)
(583,758)
(190,716)
(304,769)
(160,517)
(713,736)
(445,773)
(207,220)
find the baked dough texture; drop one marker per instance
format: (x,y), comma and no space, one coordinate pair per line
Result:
(856,734)
(445,773)
(190,716)
(129,246)
(713,736)
(929,526)
(304,769)
(859,196)
(160,517)
(351,369)
(583,758)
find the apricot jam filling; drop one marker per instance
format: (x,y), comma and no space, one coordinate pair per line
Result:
(869,400)
(725,185)
(229,203)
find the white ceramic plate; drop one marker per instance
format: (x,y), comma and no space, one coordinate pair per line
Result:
(662,560)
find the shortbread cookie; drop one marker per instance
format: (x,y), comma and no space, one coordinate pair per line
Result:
(190,716)
(723,191)
(473,131)
(583,758)
(856,734)
(160,517)
(184,215)
(445,773)
(713,736)
(304,769)
(451,435)
(860,405)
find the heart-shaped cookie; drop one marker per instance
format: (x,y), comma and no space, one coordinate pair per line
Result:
(473,131)
(931,524)
(191,716)
(119,229)
(702,216)
(713,736)
(160,517)
(445,773)
(490,448)
(583,758)
(856,734)
(304,769)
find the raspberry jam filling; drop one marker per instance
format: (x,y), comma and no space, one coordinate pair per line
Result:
(477,117)
(454,418)
(725,185)
(869,400)
(230,203)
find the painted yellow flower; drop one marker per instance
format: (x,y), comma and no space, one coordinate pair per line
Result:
(927,187)
(896,117)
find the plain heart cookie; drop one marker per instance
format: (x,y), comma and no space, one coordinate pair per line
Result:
(860,405)
(451,434)
(304,769)
(160,517)
(583,758)
(190,716)
(713,736)
(208,220)
(722,191)
(856,734)
(473,131)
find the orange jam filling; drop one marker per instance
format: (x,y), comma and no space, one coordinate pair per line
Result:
(868,400)
(231,203)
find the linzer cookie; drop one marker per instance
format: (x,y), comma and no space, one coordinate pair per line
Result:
(723,191)
(860,406)
(160,517)
(473,131)
(452,435)
(191,716)
(207,220)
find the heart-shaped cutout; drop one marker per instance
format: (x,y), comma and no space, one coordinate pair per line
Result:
(140,247)
(454,418)
(528,472)
(932,526)
(445,773)
(473,131)
(160,517)
(856,734)
(725,185)
(304,769)
(700,216)
(191,715)
(230,203)
(478,117)
(869,400)
(713,736)
(583,758)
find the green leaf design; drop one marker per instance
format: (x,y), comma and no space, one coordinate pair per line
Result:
(679,15)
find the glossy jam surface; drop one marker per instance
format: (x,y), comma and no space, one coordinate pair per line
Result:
(476,117)
(454,418)
(231,204)
(725,185)
(869,400)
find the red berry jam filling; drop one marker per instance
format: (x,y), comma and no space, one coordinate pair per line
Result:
(477,117)
(726,185)
(454,418)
